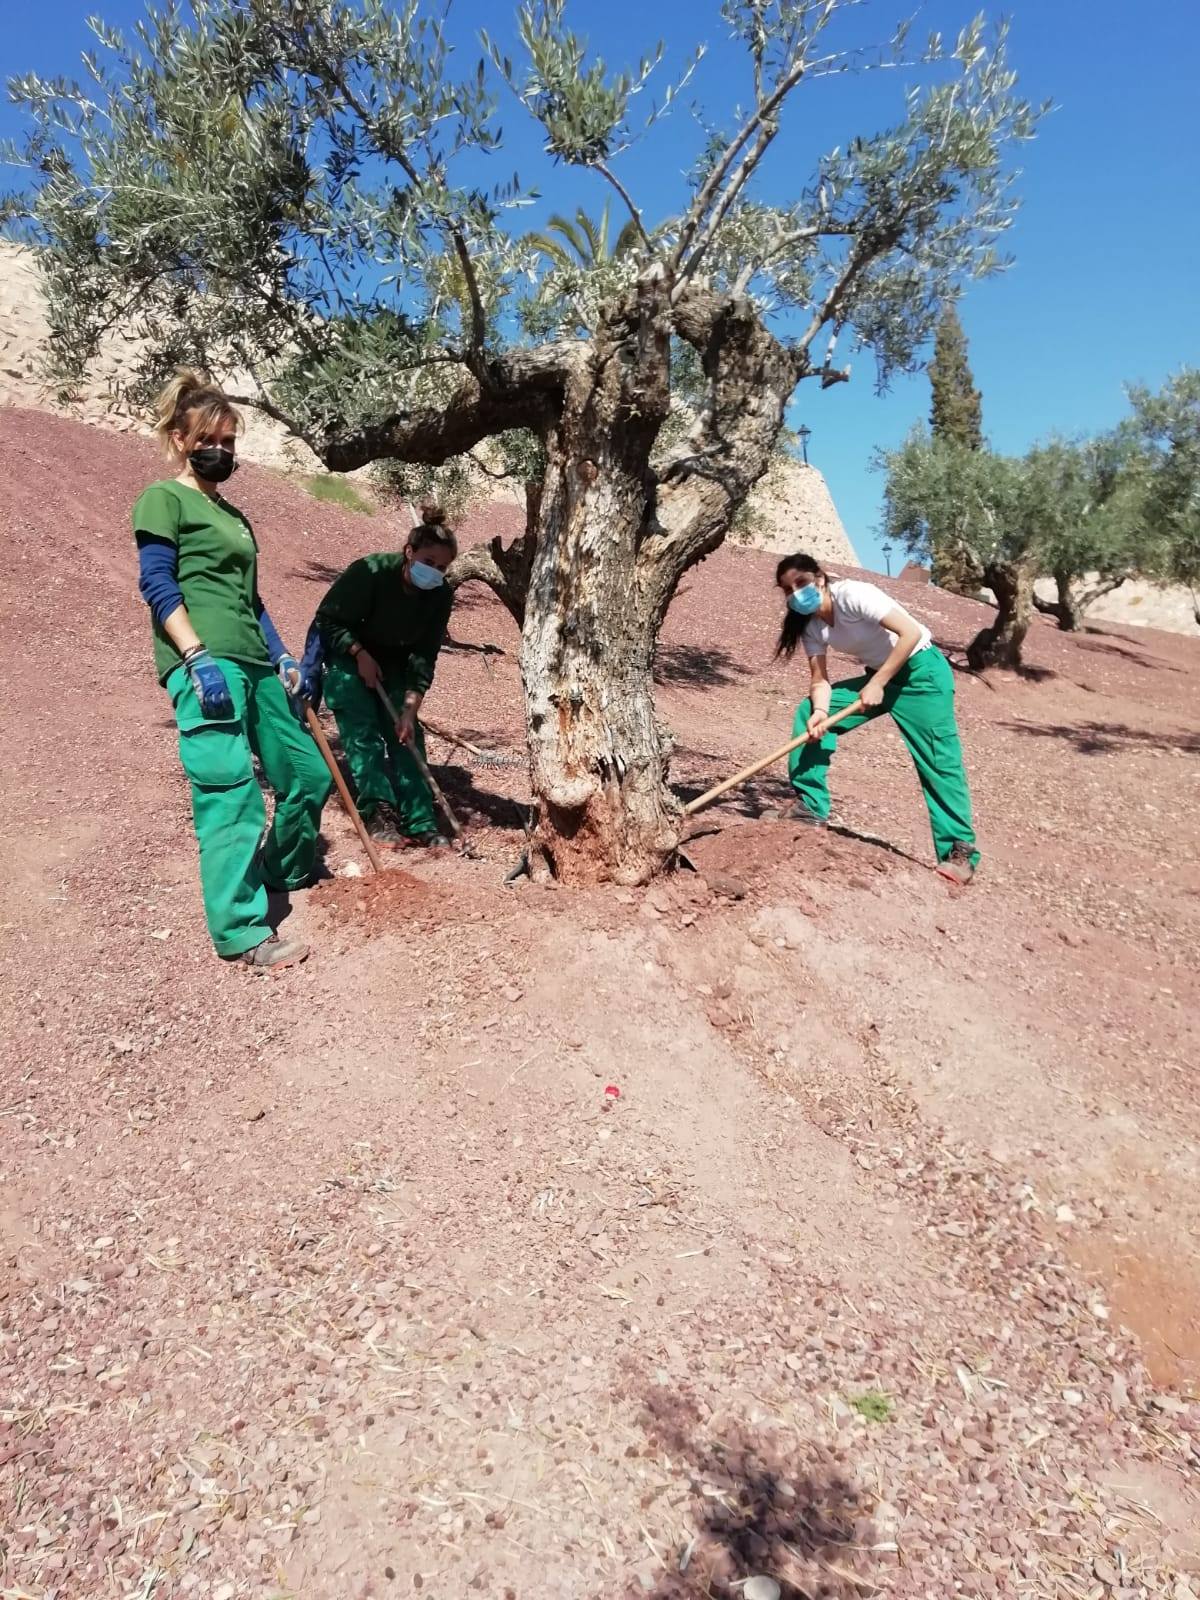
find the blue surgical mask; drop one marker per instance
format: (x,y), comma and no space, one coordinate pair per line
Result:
(804,602)
(424,576)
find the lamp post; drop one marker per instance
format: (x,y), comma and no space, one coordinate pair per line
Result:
(804,434)
(887,556)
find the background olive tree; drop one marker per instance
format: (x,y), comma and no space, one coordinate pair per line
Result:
(1089,513)
(280,188)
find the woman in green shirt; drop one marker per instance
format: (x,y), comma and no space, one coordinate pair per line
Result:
(382,623)
(230,679)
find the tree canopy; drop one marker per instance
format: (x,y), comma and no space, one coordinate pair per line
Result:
(279,186)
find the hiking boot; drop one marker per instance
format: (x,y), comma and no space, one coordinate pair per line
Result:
(801,813)
(383,830)
(275,952)
(958,867)
(429,841)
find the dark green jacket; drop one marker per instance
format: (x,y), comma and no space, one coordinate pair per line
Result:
(402,628)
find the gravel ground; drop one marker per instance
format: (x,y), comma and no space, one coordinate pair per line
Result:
(796,1219)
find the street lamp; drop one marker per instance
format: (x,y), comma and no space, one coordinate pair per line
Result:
(887,556)
(804,434)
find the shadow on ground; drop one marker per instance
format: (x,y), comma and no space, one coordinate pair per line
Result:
(1107,738)
(1104,645)
(696,667)
(759,1507)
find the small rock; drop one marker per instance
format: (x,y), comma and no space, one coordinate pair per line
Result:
(732,888)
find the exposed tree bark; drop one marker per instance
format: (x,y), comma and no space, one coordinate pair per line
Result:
(612,540)
(1000,644)
(598,758)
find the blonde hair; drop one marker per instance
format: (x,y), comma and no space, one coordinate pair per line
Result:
(192,405)
(433,529)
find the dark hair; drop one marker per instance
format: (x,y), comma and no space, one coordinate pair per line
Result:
(433,529)
(794,624)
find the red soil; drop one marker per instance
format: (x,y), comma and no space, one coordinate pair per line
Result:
(357,1283)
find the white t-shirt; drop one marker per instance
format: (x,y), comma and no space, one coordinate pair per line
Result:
(857,628)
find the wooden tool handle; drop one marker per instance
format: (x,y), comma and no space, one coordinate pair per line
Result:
(757,766)
(314,727)
(422,767)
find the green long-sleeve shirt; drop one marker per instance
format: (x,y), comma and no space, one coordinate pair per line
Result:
(401,627)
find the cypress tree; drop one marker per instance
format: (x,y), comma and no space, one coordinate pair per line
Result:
(956,415)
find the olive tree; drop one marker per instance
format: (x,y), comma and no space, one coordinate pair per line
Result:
(1088,524)
(1070,509)
(288,189)
(1166,425)
(968,509)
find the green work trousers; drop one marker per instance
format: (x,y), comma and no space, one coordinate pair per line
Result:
(920,700)
(227,803)
(370,744)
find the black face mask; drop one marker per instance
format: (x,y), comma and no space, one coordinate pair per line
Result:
(212,463)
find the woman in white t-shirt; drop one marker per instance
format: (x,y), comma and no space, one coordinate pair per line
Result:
(907,676)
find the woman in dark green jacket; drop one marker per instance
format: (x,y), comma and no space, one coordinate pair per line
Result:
(382,624)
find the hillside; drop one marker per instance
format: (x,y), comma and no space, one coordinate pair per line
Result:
(878,1276)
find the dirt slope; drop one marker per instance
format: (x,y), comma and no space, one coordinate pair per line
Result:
(360,1282)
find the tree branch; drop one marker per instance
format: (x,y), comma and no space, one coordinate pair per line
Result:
(520,389)
(750,376)
(263,402)
(505,571)
(712,184)
(624,193)
(478,319)
(866,248)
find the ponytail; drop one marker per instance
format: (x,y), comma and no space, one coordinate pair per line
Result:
(794,625)
(192,405)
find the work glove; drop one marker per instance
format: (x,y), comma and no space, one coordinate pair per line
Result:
(209,683)
(288,669)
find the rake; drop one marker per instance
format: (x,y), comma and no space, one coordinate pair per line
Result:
(479,756)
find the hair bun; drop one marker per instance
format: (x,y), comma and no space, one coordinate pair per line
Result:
(433,516)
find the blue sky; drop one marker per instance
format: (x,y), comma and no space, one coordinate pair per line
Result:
(1107,245)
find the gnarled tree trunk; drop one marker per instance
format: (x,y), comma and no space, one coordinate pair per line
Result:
(598,759)
(1063,608)
(1072,603)
(614,535)
(1000,645)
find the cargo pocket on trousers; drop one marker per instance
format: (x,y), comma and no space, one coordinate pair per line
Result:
(215,751)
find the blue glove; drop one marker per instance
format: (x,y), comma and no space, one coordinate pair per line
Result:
(312,668)
(288,669)
(209,683)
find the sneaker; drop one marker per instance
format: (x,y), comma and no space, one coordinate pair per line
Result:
(801,813)
(429,841)
(383,830)
(275,951)
(958,867)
